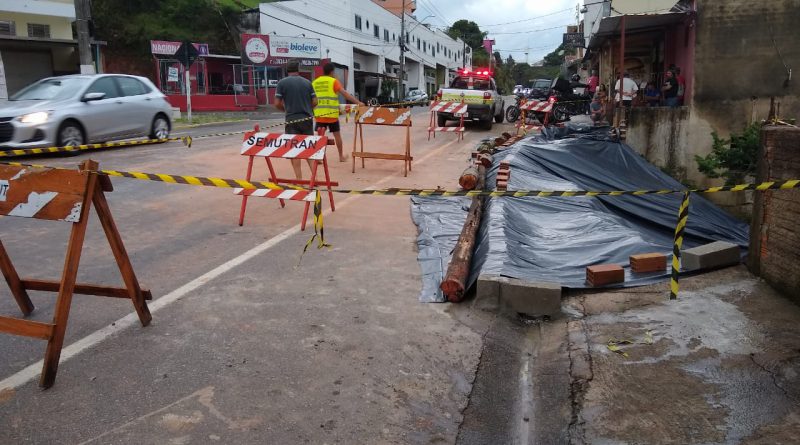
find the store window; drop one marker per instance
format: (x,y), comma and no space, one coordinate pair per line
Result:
(38,30)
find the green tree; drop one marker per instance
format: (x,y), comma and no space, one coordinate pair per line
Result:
(556,58)
(469,32)
(128,25)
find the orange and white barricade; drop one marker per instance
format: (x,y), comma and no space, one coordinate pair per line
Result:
(395,117)
(457,109)
(533,106)
(286,146)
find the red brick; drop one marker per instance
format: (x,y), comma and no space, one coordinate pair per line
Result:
(602,274)
(648,262)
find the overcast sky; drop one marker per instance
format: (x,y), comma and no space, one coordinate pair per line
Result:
(528,34)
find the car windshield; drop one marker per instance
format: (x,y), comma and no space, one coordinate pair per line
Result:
(462,83)
(51,89)
(541,84)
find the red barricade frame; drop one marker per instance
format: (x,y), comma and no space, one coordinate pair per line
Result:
(287,146)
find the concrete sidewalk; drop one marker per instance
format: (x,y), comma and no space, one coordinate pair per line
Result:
(718,366)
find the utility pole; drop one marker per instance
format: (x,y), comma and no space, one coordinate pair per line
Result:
(400,94)
(83,14)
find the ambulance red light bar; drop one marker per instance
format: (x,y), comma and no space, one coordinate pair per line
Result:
(478,72)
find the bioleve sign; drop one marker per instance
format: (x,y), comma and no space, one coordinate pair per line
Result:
(300,48)
(277,50)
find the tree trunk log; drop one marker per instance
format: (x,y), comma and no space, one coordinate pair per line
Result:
(454,283)
(469,178)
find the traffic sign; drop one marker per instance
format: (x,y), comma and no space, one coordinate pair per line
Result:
(186,54)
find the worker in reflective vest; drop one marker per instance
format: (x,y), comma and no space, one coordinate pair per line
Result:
(326,113)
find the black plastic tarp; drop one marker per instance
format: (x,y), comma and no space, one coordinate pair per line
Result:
(554,238)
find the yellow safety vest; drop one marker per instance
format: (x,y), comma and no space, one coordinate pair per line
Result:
(327,99)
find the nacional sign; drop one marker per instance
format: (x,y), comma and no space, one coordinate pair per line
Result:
(273,50)
(166,48)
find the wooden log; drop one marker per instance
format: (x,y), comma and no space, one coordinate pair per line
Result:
(469,178)
(454,283)
(485,159)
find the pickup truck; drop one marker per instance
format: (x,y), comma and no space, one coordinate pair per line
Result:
(479,92)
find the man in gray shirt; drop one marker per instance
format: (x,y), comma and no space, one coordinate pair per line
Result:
(295,95)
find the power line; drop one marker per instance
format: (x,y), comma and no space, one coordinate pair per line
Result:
(322,34)
(529,19)
(529,31)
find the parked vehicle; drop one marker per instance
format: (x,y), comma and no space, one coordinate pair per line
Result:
(417,97)
(517,89)
(484,101)
(540,88)
(79,109)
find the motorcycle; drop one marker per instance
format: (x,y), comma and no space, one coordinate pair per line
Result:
(513,111)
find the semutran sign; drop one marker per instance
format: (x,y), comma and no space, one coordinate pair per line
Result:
(273,50)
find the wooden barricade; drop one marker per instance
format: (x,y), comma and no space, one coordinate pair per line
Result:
(458,109)
(62,195)
(533,106)
(286,146)
(395,117)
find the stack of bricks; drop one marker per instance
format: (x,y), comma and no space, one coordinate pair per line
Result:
(648,262)
(503,175)
(603,274)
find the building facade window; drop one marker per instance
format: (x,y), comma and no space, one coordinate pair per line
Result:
(38,30)
(367,24)
(358,22)
(418,44)
(8,28)
(377,31)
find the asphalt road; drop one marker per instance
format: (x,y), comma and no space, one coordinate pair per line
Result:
(247,344)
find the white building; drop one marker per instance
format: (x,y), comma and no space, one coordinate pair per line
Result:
(36,41)
(363,38)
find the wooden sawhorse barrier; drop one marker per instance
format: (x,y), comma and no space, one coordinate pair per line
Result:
(458,109)
(286,146)
(395,117)
(533,106)
(62,195)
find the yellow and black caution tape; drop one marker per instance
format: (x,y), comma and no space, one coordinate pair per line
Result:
(187,140)
(243,183)
(319,230)
(775,185)
(683,217)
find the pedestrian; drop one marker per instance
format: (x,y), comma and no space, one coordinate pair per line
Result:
(670,89)
(594,80)
(652,95)
(597,110)
(295,96)
(629,90)
(326,112)
(681,85)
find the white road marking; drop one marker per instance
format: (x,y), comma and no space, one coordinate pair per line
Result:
(32,371)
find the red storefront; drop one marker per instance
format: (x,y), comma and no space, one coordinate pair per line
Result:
(217,82)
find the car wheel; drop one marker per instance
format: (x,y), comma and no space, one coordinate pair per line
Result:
(487,124)
(70,134)
(160,128)
(498,118)
(441,121)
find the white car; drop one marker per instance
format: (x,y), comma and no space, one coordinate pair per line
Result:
(79,109)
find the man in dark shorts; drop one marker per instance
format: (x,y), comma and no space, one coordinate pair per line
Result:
(328,89)
(295,95)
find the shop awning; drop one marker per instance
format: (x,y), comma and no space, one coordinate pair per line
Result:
(612,26)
